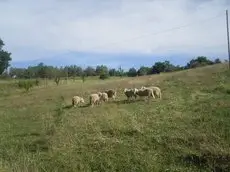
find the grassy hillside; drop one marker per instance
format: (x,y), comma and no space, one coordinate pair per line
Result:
(188,130)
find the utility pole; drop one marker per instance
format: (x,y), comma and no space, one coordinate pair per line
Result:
(228,39)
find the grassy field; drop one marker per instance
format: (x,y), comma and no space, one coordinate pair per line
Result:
(188,130)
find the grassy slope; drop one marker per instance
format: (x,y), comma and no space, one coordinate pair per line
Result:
(189,130)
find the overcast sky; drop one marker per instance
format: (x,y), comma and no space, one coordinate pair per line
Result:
(54,28)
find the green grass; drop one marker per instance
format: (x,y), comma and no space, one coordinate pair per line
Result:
(188,130)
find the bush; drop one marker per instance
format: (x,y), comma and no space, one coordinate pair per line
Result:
(26,84)
(104,76)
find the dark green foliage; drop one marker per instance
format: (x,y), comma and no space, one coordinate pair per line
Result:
(102,70)
(199,61)
(4,58)
(144,71)
(158,67)
(165,66)
(90,71)
(44,71)
(132,72)
(1,43)
(73,70)
(121,72)
(26,84)
(112,72)
(104,76)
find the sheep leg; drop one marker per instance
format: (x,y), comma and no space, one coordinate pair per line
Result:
(148,100)
(153,94)
(160,95)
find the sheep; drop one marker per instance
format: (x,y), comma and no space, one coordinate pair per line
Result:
(99,93)
(144,92)
(111,93)
(104,97)
(94,99)
(156,91)
(130,93)
(76,100)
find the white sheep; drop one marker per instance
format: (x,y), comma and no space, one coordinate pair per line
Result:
(156,91)
(104,97)
(94,99)
(130,93)
(145,92)
(99,93)
(76,100)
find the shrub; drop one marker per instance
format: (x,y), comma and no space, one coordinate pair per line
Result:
(104,76)
(26,84)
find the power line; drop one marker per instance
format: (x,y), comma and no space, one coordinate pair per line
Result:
(92,11)
(160,32)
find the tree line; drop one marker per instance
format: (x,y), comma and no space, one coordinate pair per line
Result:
(45,71)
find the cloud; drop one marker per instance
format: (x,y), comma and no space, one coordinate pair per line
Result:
(46,28)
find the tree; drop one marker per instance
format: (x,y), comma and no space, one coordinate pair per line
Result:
(112,72)
(120,72)
(73,70)
(70,70)
(90,71)
(43,71)
(104,76)
(18,72)
(4,58)
(168,66)
(79,71)
(1,43)
(216,61)
(158,67)
(132,72)
(165,66)
(198,62)
(102,69)
(143,71)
